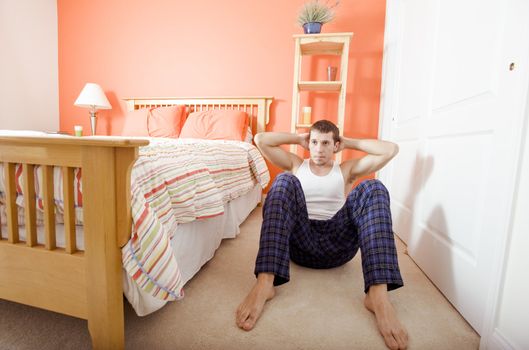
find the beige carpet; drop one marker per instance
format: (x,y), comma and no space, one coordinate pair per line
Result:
(318,309)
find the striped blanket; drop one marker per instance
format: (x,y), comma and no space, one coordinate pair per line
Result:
(178,181)
(173,181)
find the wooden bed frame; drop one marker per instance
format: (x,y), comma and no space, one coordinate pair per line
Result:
(85,284)
(257,108)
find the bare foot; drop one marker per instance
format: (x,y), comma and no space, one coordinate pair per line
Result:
(377,301)
(252,306)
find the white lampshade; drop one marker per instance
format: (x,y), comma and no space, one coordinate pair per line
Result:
(92,96)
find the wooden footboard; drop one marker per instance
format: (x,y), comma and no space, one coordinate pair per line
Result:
(85,284)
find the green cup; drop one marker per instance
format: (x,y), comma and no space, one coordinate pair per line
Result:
(78,130)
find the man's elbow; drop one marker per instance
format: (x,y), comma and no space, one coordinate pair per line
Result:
(258,139)
(394,150)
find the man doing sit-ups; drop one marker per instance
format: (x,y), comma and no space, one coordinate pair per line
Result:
(312,217)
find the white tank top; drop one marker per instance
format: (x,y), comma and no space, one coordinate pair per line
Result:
(324,194)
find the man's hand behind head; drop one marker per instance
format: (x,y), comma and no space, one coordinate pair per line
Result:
(304,140)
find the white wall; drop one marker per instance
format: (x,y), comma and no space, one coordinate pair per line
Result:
(29,92)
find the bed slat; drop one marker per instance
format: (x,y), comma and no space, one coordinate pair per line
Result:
(28,174)
(124,161)
(69,210)
(49,207)
(11,195)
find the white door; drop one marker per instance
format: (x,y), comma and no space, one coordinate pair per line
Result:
(454,103)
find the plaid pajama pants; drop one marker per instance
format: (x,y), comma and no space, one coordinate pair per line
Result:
(363,222)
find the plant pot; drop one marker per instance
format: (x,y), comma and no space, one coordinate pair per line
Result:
(312,28)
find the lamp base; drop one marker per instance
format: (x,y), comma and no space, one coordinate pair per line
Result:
(93,122)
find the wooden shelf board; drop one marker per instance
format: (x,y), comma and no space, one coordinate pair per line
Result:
(303,126)
(324,36)
(322,48)
(332,86)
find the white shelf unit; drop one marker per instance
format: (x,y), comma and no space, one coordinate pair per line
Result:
(320,44)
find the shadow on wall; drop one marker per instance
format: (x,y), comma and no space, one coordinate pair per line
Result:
(422,169)
(425,237)
(428,253)
(105,118)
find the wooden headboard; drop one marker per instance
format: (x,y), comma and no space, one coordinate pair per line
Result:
(257,108)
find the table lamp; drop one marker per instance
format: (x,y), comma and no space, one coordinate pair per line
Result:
(93,97)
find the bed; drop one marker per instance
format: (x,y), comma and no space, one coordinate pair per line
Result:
(79,270)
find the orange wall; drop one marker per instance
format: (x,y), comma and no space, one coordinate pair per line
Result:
(144,48)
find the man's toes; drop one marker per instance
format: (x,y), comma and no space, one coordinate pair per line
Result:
(391,342)
(402,339)
(250,322)
(241,318)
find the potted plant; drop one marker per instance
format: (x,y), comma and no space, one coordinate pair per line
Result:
(314,14)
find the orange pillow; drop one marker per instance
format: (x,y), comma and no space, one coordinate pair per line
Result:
(166,121)
(216,125)
(136,123)
(155,122)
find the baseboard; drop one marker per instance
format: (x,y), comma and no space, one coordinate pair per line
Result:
(498,342)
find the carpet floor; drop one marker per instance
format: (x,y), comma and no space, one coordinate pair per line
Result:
(317,309)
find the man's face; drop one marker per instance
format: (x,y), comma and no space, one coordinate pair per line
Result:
(322,147)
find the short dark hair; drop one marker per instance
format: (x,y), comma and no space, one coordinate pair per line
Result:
(326,126)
